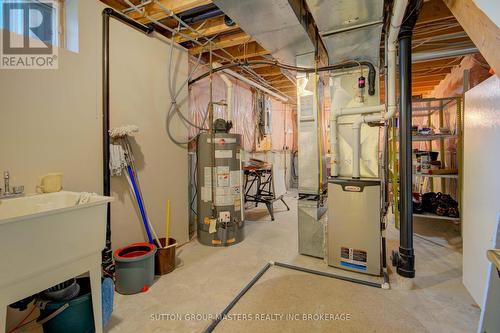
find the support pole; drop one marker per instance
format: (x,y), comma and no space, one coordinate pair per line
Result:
(107,258)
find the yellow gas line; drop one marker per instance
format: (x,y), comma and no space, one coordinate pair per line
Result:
(394,169)
(320,144)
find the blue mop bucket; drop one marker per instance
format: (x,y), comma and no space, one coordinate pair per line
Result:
(76,315)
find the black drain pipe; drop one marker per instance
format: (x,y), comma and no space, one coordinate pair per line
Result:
(107,13)
(405,259)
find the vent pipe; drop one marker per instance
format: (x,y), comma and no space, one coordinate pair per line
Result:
(405,259)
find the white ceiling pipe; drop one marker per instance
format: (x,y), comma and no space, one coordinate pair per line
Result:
(361,110)
(398,13)
(229,96)
(252,83)
(338,112)
(335,143)
(442,54)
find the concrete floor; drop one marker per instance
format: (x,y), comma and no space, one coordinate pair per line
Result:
(207,279)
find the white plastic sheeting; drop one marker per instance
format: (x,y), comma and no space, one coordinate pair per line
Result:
(245,117)
(283,124)
(452,84)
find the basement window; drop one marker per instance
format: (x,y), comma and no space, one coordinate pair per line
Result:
(63,32)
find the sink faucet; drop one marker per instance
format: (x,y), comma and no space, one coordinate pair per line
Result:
(6,177)
(17,191)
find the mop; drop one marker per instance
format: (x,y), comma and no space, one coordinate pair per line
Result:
(122,161)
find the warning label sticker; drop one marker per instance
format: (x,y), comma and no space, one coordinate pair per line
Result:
(353,258)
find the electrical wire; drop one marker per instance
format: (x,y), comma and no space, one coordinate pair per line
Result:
(209,42)
(342,65)
(195,182)
(174,109)
(21,323)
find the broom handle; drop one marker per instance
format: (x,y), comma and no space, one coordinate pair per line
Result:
(168,223)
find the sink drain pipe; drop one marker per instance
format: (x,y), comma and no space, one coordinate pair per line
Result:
(404,260)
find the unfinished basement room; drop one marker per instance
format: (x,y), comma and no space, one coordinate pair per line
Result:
(199,166)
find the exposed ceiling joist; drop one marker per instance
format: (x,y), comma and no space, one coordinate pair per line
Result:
(431,77)
(278,79)
(116,4)
(433,11)
(268,71)
(155,11)
(481,29)
(434,64)
(210,27)
(223,42)
(283,85)
(248,51)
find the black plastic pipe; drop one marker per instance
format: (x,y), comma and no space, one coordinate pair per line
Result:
(204,16)
(107,260)
(243,291)
(107,13)
(405,262)
(343,65)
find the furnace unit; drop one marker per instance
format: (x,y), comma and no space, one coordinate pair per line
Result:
(354,229)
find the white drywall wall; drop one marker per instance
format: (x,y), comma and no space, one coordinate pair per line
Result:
(481,180)
(139,95)
(51,121)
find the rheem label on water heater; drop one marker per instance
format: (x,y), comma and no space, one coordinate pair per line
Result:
(223,154)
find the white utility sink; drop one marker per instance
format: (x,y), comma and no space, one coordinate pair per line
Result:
(46,239)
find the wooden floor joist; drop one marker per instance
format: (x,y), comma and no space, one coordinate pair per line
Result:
(241,52)
(176,6)
(208,28)
(481,29)
(223,42)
